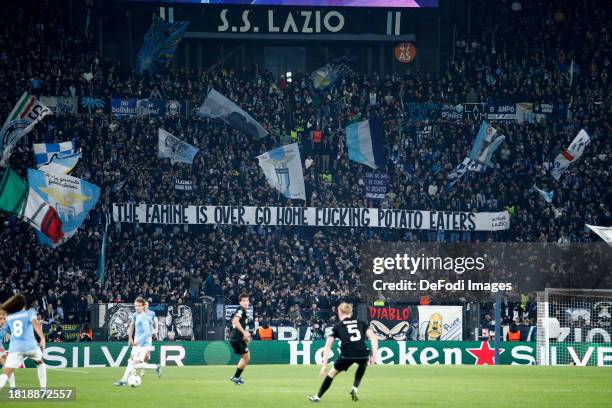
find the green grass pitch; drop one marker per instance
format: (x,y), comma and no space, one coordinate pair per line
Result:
(288,386)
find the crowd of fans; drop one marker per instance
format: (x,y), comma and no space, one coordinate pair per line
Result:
(297,275)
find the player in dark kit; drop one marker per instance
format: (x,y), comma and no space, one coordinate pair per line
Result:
(240,338)
(353,350)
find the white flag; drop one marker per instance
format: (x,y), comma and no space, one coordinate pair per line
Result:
(218,106)
(572,154)
(283,170)
(604,232)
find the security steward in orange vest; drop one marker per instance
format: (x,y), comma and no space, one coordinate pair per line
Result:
(265,332)
(514,334)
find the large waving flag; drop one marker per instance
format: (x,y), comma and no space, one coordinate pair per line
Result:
(326,76)
(456,174)
(17,199)
(572,154)
(283,170)
(364,141)
(160,44)
(13,191)
(60,164)
(56,158)
(44,152)
(487,142)
(27,112)
(218,106)
(71,197)
(175,149)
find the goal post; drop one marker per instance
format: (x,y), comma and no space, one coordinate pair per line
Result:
(572,324)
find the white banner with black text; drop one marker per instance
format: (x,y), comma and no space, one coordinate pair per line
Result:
(311,217)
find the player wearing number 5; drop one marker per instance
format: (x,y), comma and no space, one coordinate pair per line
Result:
(353,350)
(21,326)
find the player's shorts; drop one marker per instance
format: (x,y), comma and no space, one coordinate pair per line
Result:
(239,346)
(140,352)
(16,358)
(343,363)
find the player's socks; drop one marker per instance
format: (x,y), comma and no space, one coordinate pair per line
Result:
(127,372)
(325,386)
(238,372)
(11,380)
(3,379)
(145,366)
(359,375)
(42,375)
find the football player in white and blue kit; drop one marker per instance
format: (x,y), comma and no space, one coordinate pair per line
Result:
(3,352)
(141,342)
(154,330)
(22,324)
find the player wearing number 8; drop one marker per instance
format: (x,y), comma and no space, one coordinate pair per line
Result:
(353,350)
(21,326)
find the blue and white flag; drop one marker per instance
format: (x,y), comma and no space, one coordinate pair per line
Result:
(218,106)
(546,195)
(364,141)
(283,170)
(61,164)
(570,155)
(175,149)
(456,174)
(486,143)
(71,197)
(44,152)
(326,76)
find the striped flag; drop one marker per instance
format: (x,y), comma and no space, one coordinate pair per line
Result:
(17,199)
(364,141)
(27,112)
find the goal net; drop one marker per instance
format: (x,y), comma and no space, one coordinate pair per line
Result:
(574,327)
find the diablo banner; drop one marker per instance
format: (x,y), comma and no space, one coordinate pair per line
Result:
(394,321)
(311,217)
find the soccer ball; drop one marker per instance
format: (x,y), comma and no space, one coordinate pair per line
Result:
(134,380)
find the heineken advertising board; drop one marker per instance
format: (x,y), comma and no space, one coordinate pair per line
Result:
(61,355)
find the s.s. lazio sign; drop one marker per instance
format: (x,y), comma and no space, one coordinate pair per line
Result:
(66,355)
